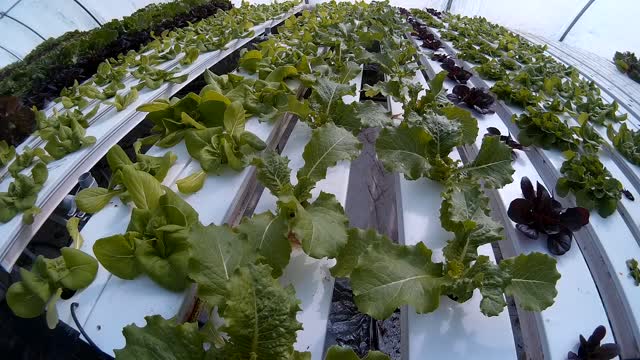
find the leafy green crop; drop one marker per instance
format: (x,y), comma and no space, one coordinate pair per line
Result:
(491,70)
(628,63)
(515,94)
(590,182)
(156,242)
(40,289)
(632,264)
(214,147)
(627,142)
(544,129)
(92,200)
(22,195)
(7,153)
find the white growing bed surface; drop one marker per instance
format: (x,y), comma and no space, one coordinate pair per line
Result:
(595,287)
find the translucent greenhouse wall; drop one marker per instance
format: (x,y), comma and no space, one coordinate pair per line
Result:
(605,27)
(26,23)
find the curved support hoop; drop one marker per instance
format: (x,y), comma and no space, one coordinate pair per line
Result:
(23,24)
(11,52)
(88,12)
(575,20)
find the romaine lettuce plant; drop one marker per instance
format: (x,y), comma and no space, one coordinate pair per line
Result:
(92,200)
(539,213)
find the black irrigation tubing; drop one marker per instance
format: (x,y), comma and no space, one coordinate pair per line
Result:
(73,307)
(88,12)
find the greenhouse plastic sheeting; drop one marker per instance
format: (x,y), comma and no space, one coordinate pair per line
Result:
(52,18)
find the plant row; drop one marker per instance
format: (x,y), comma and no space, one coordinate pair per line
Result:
(58,62)
(236,269)
(553,96)
(64,131)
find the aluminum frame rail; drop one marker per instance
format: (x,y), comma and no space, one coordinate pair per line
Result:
(108,127)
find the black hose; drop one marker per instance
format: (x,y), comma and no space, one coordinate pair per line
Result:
(73,307)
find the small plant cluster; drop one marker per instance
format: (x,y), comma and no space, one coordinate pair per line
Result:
(539,213)
(591,349)
(628,63)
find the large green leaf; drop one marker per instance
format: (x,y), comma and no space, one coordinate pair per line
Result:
(533,280)
(359,240)
(320,227)
(82,269)
(23,302)
(388,276)
(445,134)
(234,119)
(492,165)
(92,200)
(162,339)
(165,260)
(143,188)
(328,145)
(216,252)
(468,123)
(466,212)
(260,316)
(117,254)
(268,234)
(273,172)
(404,149)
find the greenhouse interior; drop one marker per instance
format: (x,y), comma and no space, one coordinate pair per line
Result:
(296,180)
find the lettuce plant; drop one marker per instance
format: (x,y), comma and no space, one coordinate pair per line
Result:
(480,100)
(491,70)
(591,183)
(7,153)
(214,147)
(92,200)
(539,213)
(156,241)
(544,129)
(22,195)
(591,349)
(455,72)
(626,141)
(634,271)
(628,63)
(41,287)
